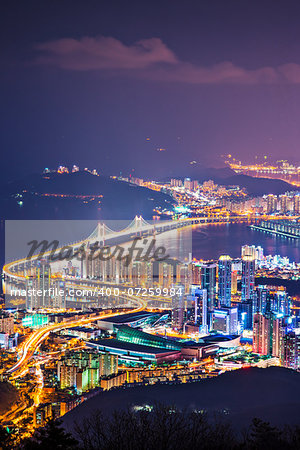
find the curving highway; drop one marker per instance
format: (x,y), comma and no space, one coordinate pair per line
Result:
(30,345)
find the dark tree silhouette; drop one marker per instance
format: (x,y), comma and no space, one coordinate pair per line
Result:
(162,428)
(51,437)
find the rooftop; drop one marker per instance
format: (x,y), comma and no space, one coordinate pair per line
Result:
(130,317)
(128,346)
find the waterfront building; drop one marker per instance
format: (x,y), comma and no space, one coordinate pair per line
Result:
(176,183)
(296,204)
(284,206)
(256,253)
(271,204)
(188,184)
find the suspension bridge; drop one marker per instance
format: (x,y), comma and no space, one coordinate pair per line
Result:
(103,235)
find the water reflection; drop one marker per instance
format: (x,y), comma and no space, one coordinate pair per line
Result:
(211,241)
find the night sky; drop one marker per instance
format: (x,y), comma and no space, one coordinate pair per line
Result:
(106,84)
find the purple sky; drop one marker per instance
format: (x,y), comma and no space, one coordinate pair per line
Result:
(106,85)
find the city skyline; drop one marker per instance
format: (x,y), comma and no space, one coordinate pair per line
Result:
(150,224)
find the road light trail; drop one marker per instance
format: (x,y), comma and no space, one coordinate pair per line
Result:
(38,336)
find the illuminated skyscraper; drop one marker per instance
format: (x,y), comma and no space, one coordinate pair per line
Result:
(224,280)
(260,299)
(268,332)
(183,275)
(234,280)
(38,294)
(209,282)
(261,334)
(176,183)
(271,299)
(196,274)
(137,273)
(248,280)
(278,333)
(284,203)
(271,204)
(290,352)
(297,204)
(148,274)
(165,275)
(178,307)
(188,184)
(245,314)
(201,309)
(278,302)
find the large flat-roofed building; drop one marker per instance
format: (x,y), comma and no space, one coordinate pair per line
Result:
(133,319)
(135,336)
(132,352)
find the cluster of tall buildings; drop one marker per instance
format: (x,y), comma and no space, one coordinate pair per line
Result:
(223,298)
(275,331)
(286,203)
(83,370)
(193,185)
(43,290)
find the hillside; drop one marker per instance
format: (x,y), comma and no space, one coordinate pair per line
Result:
(78,195)
(271,394)
(8,396)
(227,177)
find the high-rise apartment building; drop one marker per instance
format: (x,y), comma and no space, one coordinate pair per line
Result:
(248,277)
(224,280)
(209,282)
(201,309)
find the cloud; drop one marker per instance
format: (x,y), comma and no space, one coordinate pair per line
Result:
(103,53)
(152,59)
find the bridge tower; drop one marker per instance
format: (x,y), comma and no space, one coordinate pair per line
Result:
(101,233)
(138,224)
